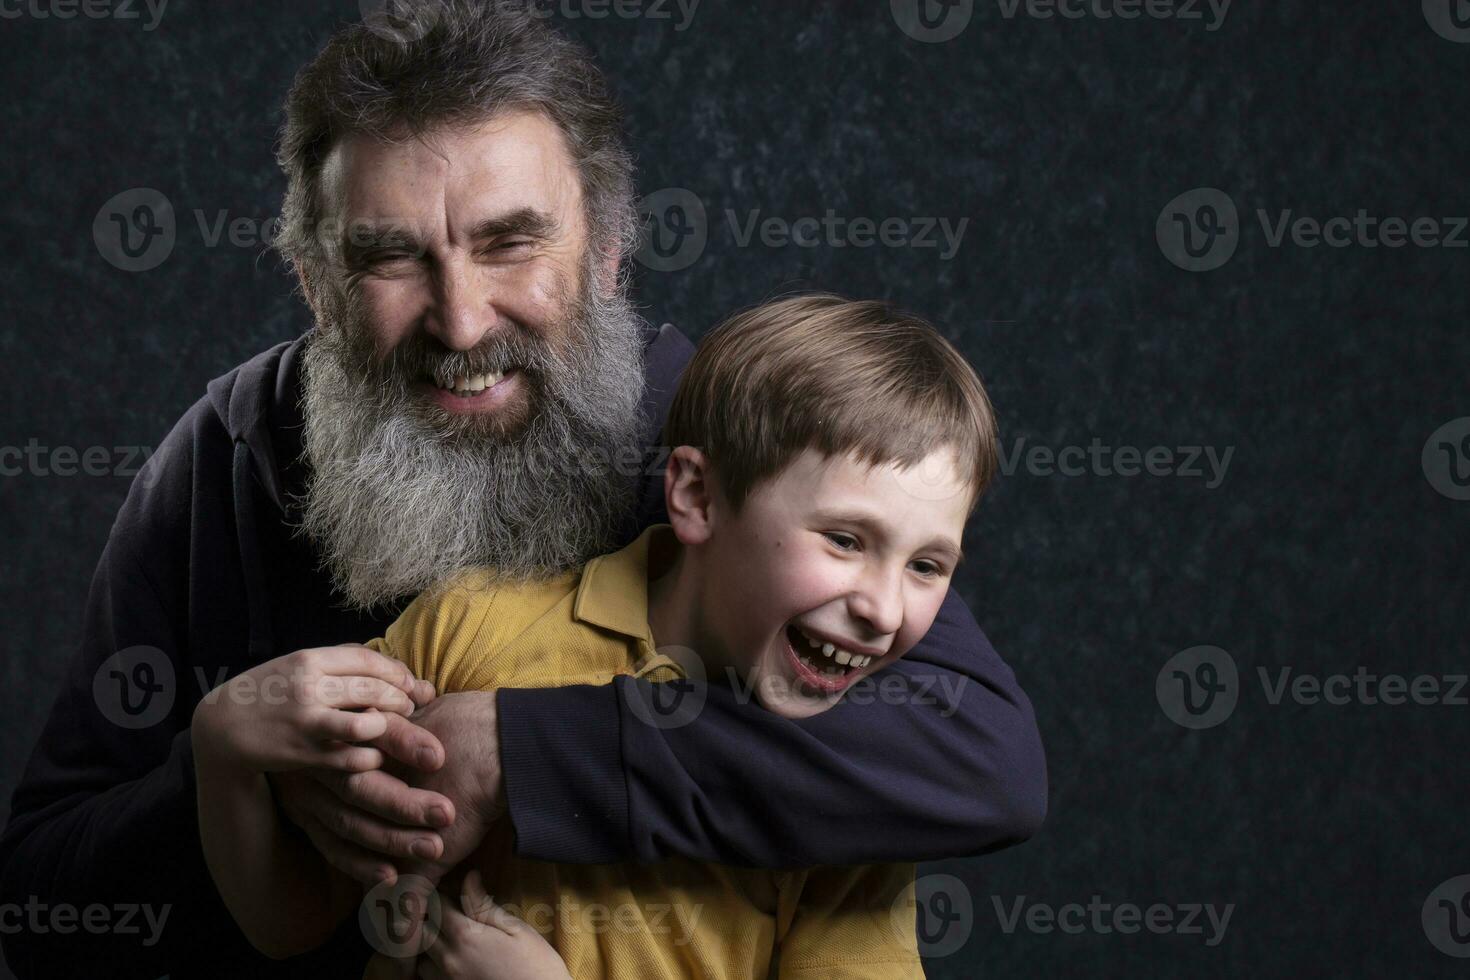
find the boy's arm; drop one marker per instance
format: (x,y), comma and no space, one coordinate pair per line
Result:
(942,758)
(853,922)
(281,892)
(314,707)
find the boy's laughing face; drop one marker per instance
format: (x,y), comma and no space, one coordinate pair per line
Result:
(831,571)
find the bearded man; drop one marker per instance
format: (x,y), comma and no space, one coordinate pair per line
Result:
(476,391)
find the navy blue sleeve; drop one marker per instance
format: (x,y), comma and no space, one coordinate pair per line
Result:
(937,756)
(105,811)
(104,820)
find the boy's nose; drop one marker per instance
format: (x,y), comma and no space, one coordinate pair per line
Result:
(878,601)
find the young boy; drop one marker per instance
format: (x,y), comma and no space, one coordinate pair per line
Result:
(828,455)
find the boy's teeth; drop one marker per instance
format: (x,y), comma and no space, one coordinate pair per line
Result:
(844,658)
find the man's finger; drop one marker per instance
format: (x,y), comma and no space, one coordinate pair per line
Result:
(383,795)
(357,863)
(410,744)
(363,830)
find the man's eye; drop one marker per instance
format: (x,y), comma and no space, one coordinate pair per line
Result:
(511,247)
(845,542)
(386,256)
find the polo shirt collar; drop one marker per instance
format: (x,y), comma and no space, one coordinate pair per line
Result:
(613,592)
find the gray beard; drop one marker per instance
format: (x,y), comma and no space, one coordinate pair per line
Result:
(403,497)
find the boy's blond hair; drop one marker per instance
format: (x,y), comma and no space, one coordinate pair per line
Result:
(840,376)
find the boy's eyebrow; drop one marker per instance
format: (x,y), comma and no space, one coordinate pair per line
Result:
(944,545)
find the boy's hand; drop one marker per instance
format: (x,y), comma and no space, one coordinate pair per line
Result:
(485,942)
(299,710)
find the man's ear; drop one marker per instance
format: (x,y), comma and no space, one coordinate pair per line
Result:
(689,494)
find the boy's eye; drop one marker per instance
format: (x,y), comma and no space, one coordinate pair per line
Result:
(845,542)
(927,568)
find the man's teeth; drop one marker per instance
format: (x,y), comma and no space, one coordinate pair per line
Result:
(469,384)
(855,661)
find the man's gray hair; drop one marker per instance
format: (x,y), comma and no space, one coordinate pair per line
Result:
(474,61)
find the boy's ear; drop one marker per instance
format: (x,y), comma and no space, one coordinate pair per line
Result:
(688,494)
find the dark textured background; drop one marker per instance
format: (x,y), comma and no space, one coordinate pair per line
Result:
(1325,548)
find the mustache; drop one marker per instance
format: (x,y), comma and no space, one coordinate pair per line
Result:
(420,357)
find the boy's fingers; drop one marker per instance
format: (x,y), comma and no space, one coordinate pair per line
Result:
(334,725)
(351,758)
(481,907)
(384,795)
(473,898)
(354,658)
(357,691)
(422,693)
(410,744)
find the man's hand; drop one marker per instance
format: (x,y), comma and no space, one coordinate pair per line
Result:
(425,812)
(466,725)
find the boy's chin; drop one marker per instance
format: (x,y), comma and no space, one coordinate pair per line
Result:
(783,696)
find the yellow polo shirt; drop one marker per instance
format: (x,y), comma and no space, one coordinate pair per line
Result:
(673,918)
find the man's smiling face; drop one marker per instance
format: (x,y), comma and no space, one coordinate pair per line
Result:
(474,354)
(467,243)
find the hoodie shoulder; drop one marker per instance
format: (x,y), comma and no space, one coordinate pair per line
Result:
(665,356)
(246,399)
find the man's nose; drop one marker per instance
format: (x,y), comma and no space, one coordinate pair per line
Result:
(877,599)
(463,309)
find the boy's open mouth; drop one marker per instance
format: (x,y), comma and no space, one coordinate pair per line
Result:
(822,665)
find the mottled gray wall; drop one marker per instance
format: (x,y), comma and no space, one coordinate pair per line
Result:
(1325,547)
